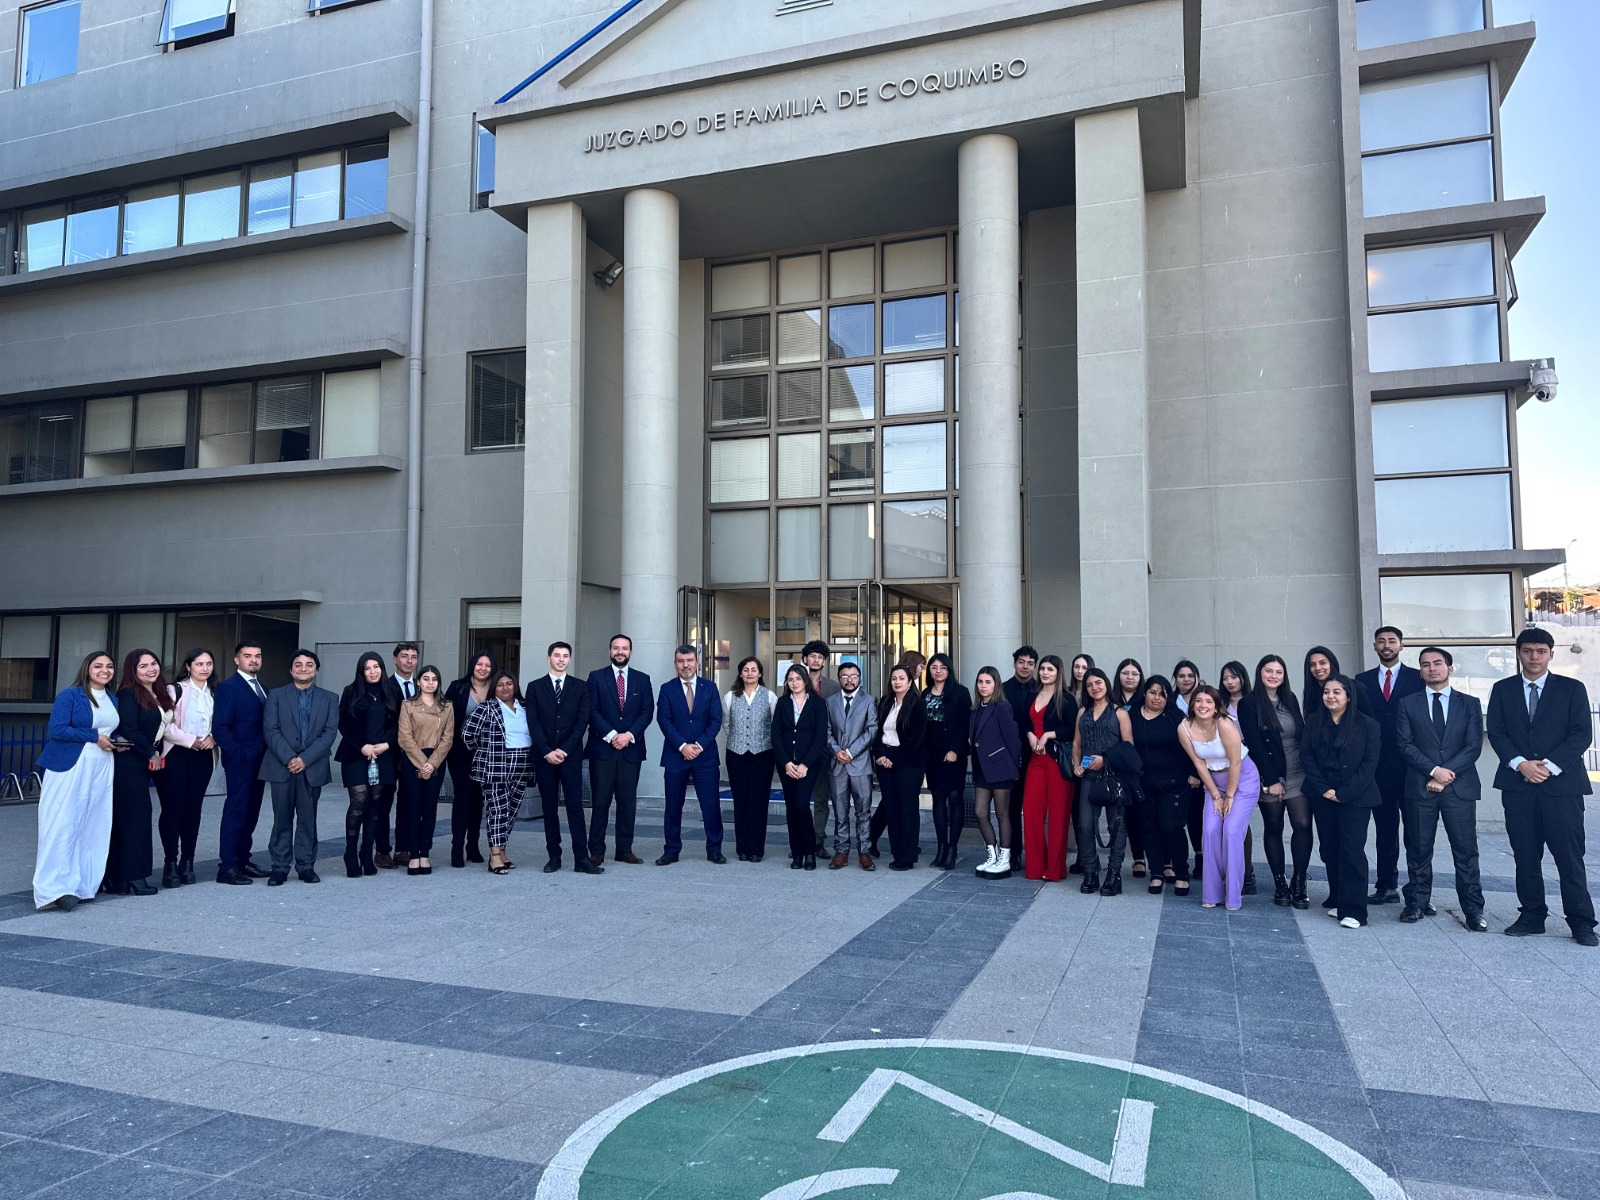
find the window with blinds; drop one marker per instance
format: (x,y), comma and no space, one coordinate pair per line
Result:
(498,384)
(283,419)
(350,413)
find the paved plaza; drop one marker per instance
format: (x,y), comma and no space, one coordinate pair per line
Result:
(755,1033)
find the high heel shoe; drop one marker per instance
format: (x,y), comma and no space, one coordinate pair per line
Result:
(1113,884)
(137,887)
(458,858)
(352,862)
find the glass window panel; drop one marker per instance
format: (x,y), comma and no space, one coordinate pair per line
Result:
(1433,177)
(800,336)
(366,180)
(92,231)
(139,631)
(741,285)
(914,458)
(850,273)
(1477,668)
(1422,274)
(1429,607)
(1419,109)
(350,402)
(914,264)
(915,324)
(913,387)
(161,431)
(739,401)
(185,19)
(852,394)
(851,531)
(852,461)
(800,279)
(224,425)
(850,333)
(1444,514)
(283,419)
(107,436)
(915,539)
(738,547)
(25,637)
(799,466)
(271,200)
(484,181)
(316,188)
(150,219)
(738,470)
(49,42)
(1433,337)
(77,634)
(14,426)
(741,341)
(52,442)
(799,397)
(211,208)
(1390,22)
(799,544)
(43,235)
(1441,433)
(499,400)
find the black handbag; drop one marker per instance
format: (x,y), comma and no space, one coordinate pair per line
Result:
(1061,753)
(1104,789)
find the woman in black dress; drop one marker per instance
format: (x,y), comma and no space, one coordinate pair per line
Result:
(144,707)
(948,705)
(369,731)
(800,748)
(996,748)
(1167,776)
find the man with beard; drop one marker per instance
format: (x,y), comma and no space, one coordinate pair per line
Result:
(621,707)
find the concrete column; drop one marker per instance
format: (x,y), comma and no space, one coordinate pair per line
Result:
(650,428)
(552,480)
(1113,397)
(989,553)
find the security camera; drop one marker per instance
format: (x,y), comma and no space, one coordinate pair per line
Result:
(1542,380)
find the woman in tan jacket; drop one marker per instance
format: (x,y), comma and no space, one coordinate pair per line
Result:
(427,729)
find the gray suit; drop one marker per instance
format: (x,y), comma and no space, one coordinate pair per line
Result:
(1457,806)
(294,797)
(853,732)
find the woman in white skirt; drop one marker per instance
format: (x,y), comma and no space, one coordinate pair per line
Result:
(75,798)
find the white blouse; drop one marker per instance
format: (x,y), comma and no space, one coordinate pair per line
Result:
(890,731)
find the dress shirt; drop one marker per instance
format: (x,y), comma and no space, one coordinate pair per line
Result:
(253,684)
(616,674)
(516,723)
(1445,693)
(1526,684)
(558,682)
(890,733)
(408,687)
(302,698)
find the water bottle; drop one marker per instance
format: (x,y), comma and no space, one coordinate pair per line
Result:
(372,772)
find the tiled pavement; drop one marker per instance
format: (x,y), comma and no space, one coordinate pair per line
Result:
(444,1036)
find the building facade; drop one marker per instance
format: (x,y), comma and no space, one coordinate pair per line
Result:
(1153,328)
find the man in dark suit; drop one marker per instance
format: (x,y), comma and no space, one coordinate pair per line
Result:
(236,723)
(815,660)
(1440,734)
(1539,728)
(300,721)
(621,707)
(401,686)
(1382,689)
(1020,690)
(689,712)
(558,714)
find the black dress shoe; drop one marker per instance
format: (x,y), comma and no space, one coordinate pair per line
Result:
(1411,915)
(231,876)
(310,877)
(1525,927)
(249,868)
(277,880)
(1384,896)
(894,866)
(666,860)
(186,870)
(811,862)
(551,867)
(717,858)
(1585,937)
(1475,923)
(584,867)
(1429,910)
(457,859)
(794,862)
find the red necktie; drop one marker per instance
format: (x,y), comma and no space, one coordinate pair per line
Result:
(622,690)
(1388,683)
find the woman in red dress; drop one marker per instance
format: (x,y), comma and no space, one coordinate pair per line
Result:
(1046,795)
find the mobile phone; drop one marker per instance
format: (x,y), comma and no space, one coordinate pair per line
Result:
(1087,759)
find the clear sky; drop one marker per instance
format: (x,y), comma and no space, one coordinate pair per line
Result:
(1550,126)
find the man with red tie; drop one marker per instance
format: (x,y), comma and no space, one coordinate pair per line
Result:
(621,707)
(1382,689)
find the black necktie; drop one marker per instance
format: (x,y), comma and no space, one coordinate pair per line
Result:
(558,692)
(1438,716)
(848,696)
(407,686)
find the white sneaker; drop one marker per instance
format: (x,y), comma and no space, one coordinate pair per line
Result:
(1349,923)
(987,864)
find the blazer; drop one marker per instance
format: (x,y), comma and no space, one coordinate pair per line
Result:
(1407,681)
(950,733)
(485,736)
(553,727)
(1343,758)
(456,694)
(1019,696)
(177,733)
(353,726)
(1263,740)
(139,725)
(1559,732)
(1061,726)
(803,741)
(71,729)
(854,733)
(236,720)
(910,728)
(423,730)
(681,727)
(281,722)
(996,745)
(634,716)
(1457,751)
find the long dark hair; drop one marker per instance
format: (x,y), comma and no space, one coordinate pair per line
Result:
(1240,672)
(1313,689)
(1321,718)
(1165,684)
(154,696)
(949,670)
(1126,699)
(472,665)
(998,696)
(1088,702)
(82,679)
(886,701)
(189,660)
(359,694)
(1063,685)
(1261,700)
(438,695)
(1073,685)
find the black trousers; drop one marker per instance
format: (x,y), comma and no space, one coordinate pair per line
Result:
(466,809)
(1535,822)
(900,788)
(1164,812)
(612,779)
(750,781)
(558,785)
(1386,820)
(417,809)
(1460,819)
(797,796)
(1342,839)
(130,859)
(181,788)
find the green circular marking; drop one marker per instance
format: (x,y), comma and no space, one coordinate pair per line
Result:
(949,1120)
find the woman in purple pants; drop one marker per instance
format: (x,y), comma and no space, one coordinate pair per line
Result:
(1232,787)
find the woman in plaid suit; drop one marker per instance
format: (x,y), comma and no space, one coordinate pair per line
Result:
(498,737)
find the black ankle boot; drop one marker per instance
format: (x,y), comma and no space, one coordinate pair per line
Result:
(352,864)
(938,855)
(474,855)
(1091,882)
(1281,895)
(1297,891)
(169,875)
(458,856)
(1249,888)
(1113,884)
(186,870)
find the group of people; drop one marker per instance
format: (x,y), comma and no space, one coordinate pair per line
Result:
(1053,753)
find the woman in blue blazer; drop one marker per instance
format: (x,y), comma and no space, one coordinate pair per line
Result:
(75,797)
(800,747)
